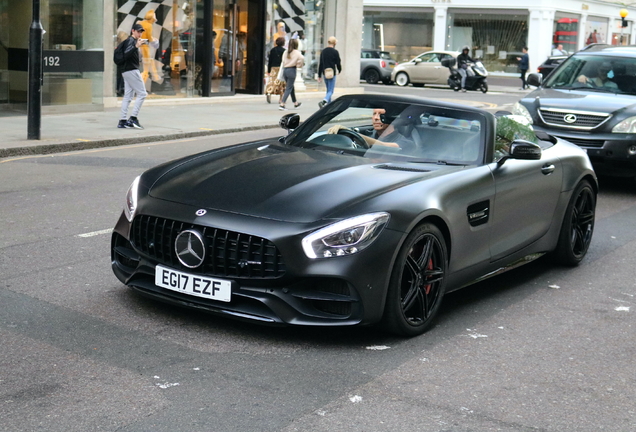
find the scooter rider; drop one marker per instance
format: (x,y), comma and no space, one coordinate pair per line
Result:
(462,64)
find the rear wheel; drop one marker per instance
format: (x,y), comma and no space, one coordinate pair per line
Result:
(483,87)
(577,226)
(402,79)
(372,76)
(418,282)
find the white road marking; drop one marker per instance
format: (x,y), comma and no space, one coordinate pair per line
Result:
(96,233)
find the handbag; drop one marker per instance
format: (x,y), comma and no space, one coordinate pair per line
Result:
(328,73)
(280,76)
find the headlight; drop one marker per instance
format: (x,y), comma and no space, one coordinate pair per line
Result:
(131,200)
(345,237)
(522,111)
(626,126)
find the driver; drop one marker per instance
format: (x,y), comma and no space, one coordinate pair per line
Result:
(383,134)
(601,79)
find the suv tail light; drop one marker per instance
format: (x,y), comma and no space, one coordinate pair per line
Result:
(382,63)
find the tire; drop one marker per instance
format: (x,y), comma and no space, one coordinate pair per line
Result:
(577,227)
(418,282)
(483,87)
(371,76)
(402,79)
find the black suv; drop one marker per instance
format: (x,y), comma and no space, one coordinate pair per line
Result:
(590,100)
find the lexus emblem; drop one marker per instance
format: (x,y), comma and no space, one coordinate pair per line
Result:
(190,248)
(201,212)
(569,118)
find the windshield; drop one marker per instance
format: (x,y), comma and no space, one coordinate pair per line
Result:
(395,131)
(595,73)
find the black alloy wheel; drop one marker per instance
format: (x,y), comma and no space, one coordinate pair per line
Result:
(578,226)
(372,76)
(418,282)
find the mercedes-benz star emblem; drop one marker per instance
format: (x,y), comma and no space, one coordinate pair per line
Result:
(190,248)
(201,212)
(569,118)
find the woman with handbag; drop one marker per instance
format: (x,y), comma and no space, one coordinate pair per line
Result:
(274,85)
(292,59)
(329,67)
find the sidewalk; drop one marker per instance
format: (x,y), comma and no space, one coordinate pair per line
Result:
(162,119)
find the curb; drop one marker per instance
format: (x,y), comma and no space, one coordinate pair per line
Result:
(115,142)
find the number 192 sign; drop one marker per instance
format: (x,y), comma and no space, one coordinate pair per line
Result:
(72,61)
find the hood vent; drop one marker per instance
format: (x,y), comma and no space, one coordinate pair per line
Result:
(407,168)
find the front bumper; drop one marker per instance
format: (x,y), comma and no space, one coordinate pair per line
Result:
(339,291)
(611,154)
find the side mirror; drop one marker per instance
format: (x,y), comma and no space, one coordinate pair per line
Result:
(289,122)
(535,79)
(522,150)
(417,60)
(525,150)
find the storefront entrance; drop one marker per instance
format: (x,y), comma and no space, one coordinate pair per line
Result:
(198,48)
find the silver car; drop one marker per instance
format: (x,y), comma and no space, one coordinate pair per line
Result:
(376,66)
(424,69)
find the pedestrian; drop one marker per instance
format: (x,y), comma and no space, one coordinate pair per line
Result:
(133,83)
(558,51)
(274,85)
(462,65)
(292,59)
(524,64)
(329,67)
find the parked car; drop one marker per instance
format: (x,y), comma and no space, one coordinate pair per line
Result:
(376,66)
(424,69)
(594,110)
(337,229)
(550,64)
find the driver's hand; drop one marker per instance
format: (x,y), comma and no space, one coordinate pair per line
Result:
(334,129)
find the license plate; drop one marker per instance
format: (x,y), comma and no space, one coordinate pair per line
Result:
(195,285)
(391,66)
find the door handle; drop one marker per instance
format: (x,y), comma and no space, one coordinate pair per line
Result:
(547,169)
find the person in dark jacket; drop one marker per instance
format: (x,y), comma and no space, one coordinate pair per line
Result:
(524,64)
(273,66)
(462,65)
(133,83)
(329,59)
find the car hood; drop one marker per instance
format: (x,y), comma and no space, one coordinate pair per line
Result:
(283,183)
(580,100)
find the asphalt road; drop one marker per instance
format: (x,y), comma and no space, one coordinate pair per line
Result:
(541,348)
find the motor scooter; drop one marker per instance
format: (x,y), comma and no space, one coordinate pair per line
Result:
(476,75)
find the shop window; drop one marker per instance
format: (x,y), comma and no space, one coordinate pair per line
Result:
(495,38)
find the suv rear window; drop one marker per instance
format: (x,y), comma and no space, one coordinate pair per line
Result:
(595,73)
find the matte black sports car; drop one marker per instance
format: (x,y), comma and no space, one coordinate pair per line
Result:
(368,212)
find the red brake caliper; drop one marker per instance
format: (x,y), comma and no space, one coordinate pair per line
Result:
(429,266)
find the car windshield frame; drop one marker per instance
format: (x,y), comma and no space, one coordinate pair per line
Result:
(463,142)
(587,72)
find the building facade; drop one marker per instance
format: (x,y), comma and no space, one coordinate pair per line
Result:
(495,30)
(197,48)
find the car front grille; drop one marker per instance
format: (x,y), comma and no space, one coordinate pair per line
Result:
(582,142)
(581,120)
(228,254)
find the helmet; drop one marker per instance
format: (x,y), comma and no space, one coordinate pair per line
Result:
(465,48)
